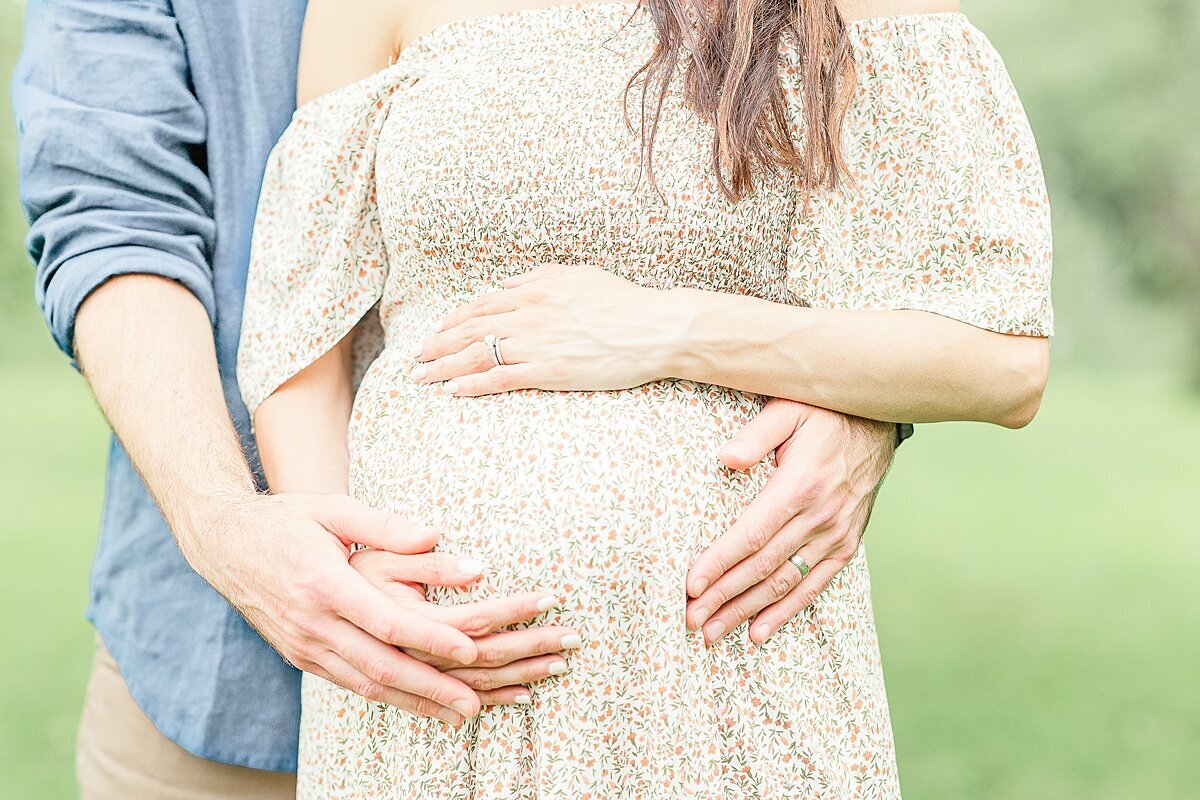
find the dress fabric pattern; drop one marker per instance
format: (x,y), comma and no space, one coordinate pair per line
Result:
(496,144)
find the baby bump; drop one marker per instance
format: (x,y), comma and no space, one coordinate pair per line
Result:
(572,491)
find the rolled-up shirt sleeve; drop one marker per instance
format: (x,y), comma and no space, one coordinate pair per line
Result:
(111,153)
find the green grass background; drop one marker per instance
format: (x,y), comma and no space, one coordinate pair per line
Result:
(1036,592)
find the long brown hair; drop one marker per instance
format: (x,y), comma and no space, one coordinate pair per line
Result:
(732,81)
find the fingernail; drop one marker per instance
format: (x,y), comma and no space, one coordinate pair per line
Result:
(701,616)
(450,387)
(714,631)
(699,586)
(523,699)
(463,707)
(420,371)
(470,567)
(570,641)
(735,450)
(547,603)
(463,655)
(449,716)
(763,632)
(416,350)
(558,668)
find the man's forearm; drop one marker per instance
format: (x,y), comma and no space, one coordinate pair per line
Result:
(146,347)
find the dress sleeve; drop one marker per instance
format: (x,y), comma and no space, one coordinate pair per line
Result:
(946,208)
(318,260)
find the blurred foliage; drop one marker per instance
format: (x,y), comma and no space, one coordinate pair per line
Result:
(1113,91)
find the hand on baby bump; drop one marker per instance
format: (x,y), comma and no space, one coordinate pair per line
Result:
(507,660)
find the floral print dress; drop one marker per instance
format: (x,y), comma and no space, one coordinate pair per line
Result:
(496,144)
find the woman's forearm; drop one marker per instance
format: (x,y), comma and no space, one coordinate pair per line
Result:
(301,427)
(899,366)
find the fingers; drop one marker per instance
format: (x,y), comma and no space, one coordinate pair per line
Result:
(770,511)
(355,523)
(741,608)
(761,565)
(357,601)
(771,589)
(506,696)
(482,617)
(497,380)
(776,615)
(431,569)
(777,421)
(508,647)
(459,337)
(377,672)
(472,359)
(520,673)
(490,303)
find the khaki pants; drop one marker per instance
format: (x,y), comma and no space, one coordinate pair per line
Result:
(120,755)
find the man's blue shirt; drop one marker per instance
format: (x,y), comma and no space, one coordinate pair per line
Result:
(143,130)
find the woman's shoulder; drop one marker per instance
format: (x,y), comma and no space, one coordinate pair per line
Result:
(343,43)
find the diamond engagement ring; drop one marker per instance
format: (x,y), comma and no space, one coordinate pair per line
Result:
(799,563)
(493,345)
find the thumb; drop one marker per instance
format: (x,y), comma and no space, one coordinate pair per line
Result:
(773,426)
(356,523)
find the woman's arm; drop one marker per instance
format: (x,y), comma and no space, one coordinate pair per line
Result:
(301,427)
(911,366)
(576,327)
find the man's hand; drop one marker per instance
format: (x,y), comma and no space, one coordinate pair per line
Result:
(816,502)
(508,659)
(285,563)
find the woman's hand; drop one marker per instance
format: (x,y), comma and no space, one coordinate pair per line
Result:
(564,327)
(508,660)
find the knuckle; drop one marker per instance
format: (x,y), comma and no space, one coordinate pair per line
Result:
(490,653)
(825,517)
(779,586)
(365,687)
(484,679)
(813,490)
(381,671)
(758,537)
(475,623)
(424,707)
(763,565)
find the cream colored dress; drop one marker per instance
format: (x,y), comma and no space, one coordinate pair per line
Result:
(496,144)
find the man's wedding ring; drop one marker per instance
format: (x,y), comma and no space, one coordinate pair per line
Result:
(493,345)
(799,563)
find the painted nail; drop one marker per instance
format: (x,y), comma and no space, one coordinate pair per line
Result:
(714,631)
(419,372)
(547,603)
(558,668)
(701,616)
(463,707)
(470,567)
(699,587)
(570,641)
(450,387)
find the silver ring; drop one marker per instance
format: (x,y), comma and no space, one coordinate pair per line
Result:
(799,563)
(493,344)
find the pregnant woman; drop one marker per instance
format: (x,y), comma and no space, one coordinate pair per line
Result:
(597,237)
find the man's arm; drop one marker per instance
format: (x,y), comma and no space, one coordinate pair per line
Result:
(122,232)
